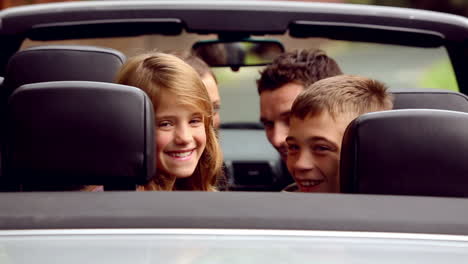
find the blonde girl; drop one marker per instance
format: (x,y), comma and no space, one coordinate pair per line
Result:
(188,156)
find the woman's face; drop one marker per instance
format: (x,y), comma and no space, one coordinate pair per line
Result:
(180,137)
(213,92)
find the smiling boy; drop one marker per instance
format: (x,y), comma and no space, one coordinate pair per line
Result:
(319,117)
(280,83)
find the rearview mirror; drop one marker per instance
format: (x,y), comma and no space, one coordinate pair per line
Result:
(234,54)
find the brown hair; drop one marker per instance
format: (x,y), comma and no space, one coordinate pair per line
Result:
(153,72)
(348,94)
(197,63)
(300,66)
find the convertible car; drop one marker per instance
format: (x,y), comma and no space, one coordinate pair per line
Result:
(404,176)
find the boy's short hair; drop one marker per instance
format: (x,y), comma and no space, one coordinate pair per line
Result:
(349,94)
(300,66)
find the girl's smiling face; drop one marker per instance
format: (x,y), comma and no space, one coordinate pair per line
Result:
(180,137)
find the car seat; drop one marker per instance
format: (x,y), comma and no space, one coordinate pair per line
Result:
(58,63)
(406,152)
(62,63)
(406,98)
(79,133)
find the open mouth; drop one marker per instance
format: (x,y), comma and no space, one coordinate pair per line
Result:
(180,155)
(309,185)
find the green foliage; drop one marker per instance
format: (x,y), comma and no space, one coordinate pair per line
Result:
(440,76)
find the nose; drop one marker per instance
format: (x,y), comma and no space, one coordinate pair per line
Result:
(278,138)
(183,135)
(304,161)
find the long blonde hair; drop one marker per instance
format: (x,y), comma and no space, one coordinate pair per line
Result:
(155,71)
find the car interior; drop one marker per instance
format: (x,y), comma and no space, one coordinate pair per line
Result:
(66,124)
(49,48)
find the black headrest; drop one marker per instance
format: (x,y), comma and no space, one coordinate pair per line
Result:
(62,63)
(73,132)
(430,99)
(1,83)
(406,152)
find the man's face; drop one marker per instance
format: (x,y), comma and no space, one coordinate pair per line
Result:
(275,108)
(314,146)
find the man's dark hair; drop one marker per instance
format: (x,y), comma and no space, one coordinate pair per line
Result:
(300,66)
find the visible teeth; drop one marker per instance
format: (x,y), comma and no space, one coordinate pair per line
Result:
(310,183)
(181,154)
(306,183)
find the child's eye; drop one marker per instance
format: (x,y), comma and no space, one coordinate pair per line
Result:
(292,149)
(216,107)
(321,148)
(164,124)
(196,121)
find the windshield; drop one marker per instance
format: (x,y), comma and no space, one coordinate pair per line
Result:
(396,66)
